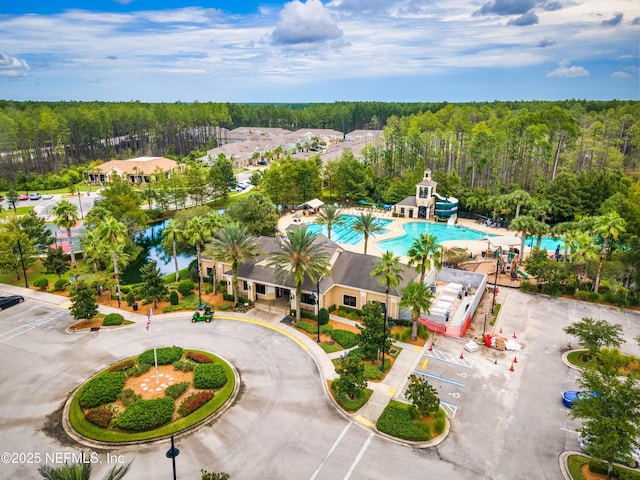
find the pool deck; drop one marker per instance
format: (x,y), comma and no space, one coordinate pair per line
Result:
(478,264)
(395,230)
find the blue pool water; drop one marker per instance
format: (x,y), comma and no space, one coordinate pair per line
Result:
(442,232)
(344,233)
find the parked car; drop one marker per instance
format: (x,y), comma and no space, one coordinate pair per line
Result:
(263,162)
(571,396)
(633,462)
(47,196)
(10,301)
(23,196)
(35,196)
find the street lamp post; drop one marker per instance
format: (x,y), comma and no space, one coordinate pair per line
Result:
(318,308)
(80,205)
(384,335)
(495,286)
(172,453)
(24,270)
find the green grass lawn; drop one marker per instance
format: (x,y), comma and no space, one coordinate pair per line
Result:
(630,364)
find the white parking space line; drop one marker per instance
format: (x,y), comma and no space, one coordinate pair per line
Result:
(333,447)
(359,456)
(31,325)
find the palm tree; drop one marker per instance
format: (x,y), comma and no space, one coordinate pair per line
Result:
(66,217)
(174,231)
(92,247)
(80,471)
(367,224)
(197,233)
(329,216)
(389,270)
(233,244)
(422,249)
(420,298)
(300,258)
(583,250)
(519,197)
(524,224)
(115,234)
(608,227)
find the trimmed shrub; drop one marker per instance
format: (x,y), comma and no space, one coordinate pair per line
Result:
(209,376)
(100,416)
(587,296)
(175,390)
(194,401)
(345,338)
(125,365)
(128,397)
(165,355)
(131,298)
(184,366)
(224,306)
(42,283)
(185,287)
(173,298)
(60,284)
(323,316)
(146,414)
(125,289)
(112,319)
(440,421)
(208,288)
(199,357)
(397,420)
(139,369)
(348,312)
(102,389)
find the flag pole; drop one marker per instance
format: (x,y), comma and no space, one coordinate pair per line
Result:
(155,354)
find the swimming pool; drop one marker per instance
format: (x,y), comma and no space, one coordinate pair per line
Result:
(442,232)
(344,233)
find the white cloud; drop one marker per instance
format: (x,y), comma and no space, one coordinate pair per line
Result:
(305,23)
(620,75)
(12,66)
(564,70)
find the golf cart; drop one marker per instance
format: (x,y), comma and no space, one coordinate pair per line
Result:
(202,314)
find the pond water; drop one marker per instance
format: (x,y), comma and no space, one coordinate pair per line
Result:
(151,241)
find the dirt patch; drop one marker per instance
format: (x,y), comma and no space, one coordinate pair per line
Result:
(148,388)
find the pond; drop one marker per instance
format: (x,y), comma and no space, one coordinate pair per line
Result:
(150,240)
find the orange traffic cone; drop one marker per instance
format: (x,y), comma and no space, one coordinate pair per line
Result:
(431,347)
(514,334)
(511,369)
(461,355)
(515,359)
(500,329)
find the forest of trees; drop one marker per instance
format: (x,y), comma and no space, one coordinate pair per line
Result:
(489,145)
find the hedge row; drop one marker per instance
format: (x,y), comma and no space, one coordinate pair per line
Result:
(209,376)
(175,390)
(165,355)
(124,365)
(194,401)
(146,414)
(103,389)
(397,420)
(199,357)
(345,338)
(100,416)
(184,366)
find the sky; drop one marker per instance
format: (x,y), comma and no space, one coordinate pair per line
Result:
(319,51)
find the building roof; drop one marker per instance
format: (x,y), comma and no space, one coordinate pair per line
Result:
(349,269)
(428,183)
(143,165)
(409,201)
(354,270)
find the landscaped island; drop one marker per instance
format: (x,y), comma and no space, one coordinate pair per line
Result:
(132,400)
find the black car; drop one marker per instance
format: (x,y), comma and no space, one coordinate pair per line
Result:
(6,302)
